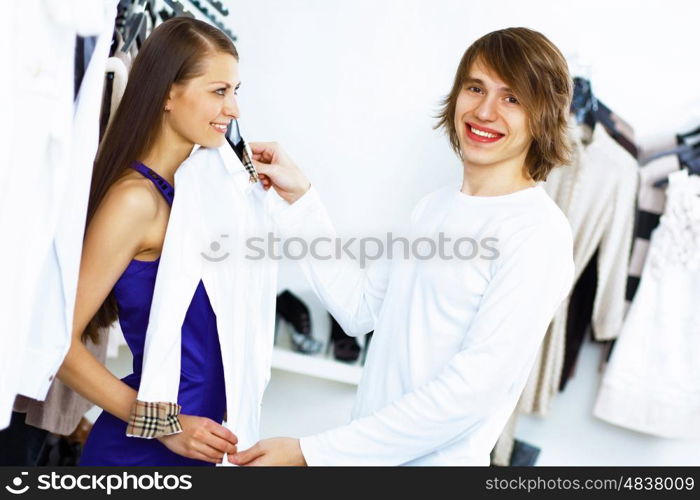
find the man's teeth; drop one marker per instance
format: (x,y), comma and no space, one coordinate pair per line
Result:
(482,133)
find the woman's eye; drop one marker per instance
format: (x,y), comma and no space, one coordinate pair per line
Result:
(220,91)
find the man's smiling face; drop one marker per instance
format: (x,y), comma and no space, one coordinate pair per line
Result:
(491,124)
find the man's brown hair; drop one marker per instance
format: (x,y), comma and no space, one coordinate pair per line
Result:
(538,74)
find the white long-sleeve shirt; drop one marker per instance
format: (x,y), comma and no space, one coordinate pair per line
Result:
(215,211)
(454,340)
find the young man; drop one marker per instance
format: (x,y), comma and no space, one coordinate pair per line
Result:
(455,339)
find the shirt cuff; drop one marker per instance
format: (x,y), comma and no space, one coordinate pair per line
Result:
(153,420)
(311,449)
(293,216)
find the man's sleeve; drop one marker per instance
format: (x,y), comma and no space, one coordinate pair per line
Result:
(486,376)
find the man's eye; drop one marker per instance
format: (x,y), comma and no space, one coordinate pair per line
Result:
(512,99)
(474,89)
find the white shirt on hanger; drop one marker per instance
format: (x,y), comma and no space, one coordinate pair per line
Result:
(215,211)
(45,186)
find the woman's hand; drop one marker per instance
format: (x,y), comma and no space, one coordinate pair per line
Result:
(202,439)
(277,170)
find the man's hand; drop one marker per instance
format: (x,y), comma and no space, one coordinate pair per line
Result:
(280,451)
(277,170)
(202,439)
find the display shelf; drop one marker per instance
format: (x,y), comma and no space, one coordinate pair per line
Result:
(321,365)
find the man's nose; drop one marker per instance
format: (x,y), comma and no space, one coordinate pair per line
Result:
(486,110)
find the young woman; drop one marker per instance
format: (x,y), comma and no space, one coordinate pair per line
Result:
(181,92)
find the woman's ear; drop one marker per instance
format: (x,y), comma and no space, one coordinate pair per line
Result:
(171,98)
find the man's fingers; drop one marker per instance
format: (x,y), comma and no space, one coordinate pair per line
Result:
(264,149)
(262,167)
(246,456)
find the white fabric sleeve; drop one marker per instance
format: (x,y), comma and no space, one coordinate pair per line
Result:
(497,355)
(351,294)
(179,273)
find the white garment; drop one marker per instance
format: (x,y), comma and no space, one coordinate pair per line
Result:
(215,211)
(45,185)
(652,383)
(454,340)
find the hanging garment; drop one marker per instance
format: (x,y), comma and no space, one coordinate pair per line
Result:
(597,193)
(651,201)
(201,381)
(44,188)
(652,383)
(454,339)
(215,213)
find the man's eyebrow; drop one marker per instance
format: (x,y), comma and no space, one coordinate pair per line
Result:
(478,81)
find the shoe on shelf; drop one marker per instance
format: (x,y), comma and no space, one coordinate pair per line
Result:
(345,348)
(293,311)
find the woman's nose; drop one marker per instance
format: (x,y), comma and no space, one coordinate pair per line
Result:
(231,108)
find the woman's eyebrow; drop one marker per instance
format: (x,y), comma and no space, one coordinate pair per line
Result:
(226,84)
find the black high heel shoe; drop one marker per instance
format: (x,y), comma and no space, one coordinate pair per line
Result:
(296,314)
(345,348)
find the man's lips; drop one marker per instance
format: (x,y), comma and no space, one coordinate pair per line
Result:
(482,134)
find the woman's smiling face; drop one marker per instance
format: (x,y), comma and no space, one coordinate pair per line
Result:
(200,109)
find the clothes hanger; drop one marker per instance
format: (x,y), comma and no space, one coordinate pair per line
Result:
(199,5)
(682,138)
(589,110)
(219,6)
(584,103)
(688,159)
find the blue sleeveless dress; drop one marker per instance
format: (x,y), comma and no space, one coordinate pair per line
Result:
(202,389)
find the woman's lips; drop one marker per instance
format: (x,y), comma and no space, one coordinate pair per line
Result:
(219,127)
(482,135)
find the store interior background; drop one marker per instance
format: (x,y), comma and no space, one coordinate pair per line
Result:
(350,89)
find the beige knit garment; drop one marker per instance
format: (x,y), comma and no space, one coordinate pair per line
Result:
(597,193)
(63,408)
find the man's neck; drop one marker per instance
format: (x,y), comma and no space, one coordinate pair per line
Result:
(494,180)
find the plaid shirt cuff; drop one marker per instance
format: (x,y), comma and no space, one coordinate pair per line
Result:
(153,420)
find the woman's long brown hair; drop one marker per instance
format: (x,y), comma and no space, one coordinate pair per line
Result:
(174,53)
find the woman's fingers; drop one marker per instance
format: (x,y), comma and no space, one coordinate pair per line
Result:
(223,433)
(210,454)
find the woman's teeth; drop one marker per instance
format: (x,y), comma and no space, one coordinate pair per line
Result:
(482,133)
(219,127)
